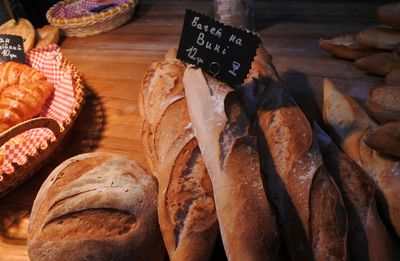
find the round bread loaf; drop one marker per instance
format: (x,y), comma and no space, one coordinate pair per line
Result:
(96,206)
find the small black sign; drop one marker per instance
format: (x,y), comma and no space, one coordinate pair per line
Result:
(11,48)
(223,51)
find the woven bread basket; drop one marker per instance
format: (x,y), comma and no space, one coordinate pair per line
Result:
(9,181)
(91,24)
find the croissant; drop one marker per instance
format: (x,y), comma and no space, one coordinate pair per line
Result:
(23,92)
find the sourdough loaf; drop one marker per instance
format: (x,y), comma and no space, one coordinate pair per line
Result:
(368,238)
(379,37)
(380,63)
(96,206)
(346,46)
(384,103)
(247,222)
(350,125)
(309,206)
(186,206)
(385,138)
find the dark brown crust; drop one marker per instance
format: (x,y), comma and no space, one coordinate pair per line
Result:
(379,37)
(86,215)
(345,46)
(390,14)
(380,63)
(290,158)
(386,138)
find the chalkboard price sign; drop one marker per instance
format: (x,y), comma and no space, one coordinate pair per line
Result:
(11,48)
(223,51)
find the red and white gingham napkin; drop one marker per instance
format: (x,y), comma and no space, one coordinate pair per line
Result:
(81,8)
(47,60)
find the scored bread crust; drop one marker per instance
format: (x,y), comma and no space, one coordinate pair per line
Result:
(96,206)
(309,206)
(247,223)
(358,192)
(186,206)
(350,124)
(345,46)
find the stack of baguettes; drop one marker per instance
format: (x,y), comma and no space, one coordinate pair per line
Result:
(251,164)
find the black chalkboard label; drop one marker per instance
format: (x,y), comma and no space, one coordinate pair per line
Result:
(223,51)
(11,48)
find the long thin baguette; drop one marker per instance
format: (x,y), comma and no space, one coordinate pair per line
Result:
(309,206)
(368,238)
(247,222)
(186,208)
(350,124)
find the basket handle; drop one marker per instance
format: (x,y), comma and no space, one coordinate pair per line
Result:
(40,122)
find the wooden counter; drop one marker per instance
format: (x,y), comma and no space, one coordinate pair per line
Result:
(113,65)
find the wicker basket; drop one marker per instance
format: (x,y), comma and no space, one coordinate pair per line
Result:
(92,24)
(9,181)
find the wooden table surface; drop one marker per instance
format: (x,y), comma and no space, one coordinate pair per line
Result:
(113,65)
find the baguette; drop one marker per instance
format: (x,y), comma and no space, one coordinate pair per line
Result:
(380,63)
(186,208)
(368,238)
(386,138)
(390,14)
(308,203)
(350,124)
(384,103)
(379,37)
(345,46)
(247,223)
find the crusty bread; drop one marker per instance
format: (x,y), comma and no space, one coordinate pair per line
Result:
(384,103)
(350,124)
(96,206)
(186,206)
(390,14)
(393,77)
(379,37)
(345,46)
(368,238)
(380,63)
(385,138)
(23,28)
(309,207)
(48,34)
(247,223)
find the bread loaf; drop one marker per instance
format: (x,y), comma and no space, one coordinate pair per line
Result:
(48,34)
(368,238)
(393,77)
(186,206)
(380,63)
(23,28)
(384,103)
(96,206)
(385,138)
(246,220)
(345,46)
(309,207)
(379,37)
(390,14)
(350,124)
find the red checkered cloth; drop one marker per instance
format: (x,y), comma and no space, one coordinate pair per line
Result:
(47,60)
(82,8)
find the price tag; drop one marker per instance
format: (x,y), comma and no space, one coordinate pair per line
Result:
(11,48)
(223,51)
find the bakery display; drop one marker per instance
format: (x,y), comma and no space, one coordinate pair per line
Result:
(96,206)
(186,207)
(23,28)
(23,92)
(246,219)
(46,35)
(350,124)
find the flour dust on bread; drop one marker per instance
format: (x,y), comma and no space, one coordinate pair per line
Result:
(247,223)
(350,125)
(96,206)
(186,206)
